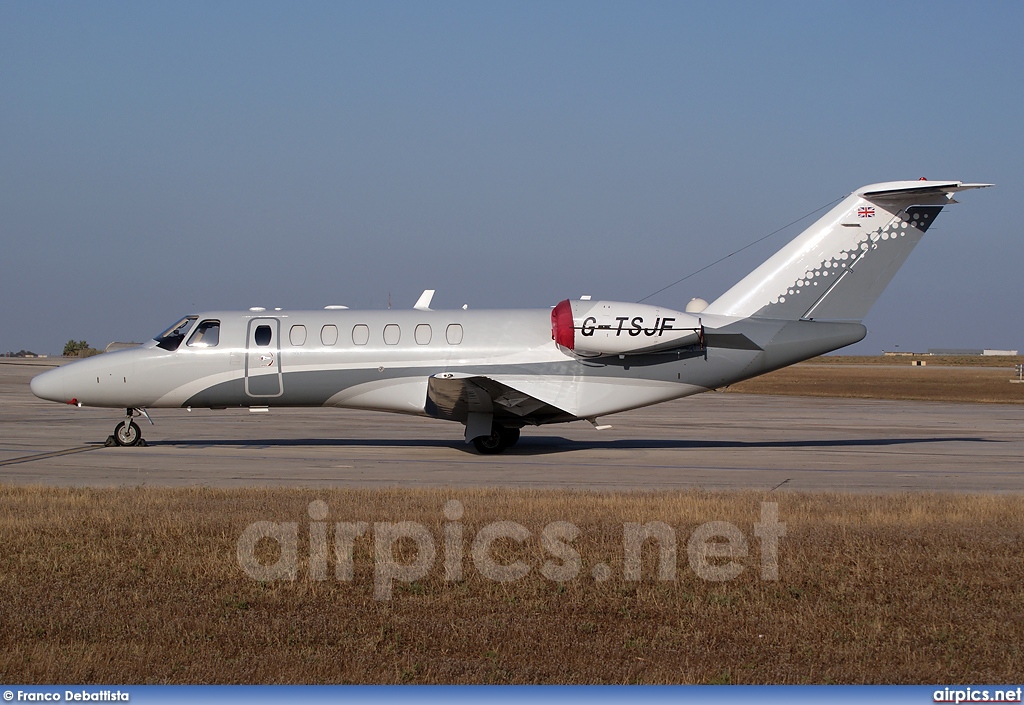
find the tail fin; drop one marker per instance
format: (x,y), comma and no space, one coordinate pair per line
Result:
(838,267)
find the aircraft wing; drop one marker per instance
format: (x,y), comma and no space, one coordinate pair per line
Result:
(529,400)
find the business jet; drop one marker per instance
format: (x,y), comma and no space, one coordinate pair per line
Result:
(498,371)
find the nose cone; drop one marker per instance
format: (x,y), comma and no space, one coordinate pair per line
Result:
(49,385)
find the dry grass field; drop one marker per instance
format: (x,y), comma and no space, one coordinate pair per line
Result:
(960,379)
(144,586)
(1005,362)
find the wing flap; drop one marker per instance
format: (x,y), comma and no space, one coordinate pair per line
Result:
(454,396)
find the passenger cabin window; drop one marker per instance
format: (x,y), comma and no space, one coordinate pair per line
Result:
(361,334)
(171,338)
(329,335)
(423,334)
(392,334)
(454,334)
(263,336)
(206,335)
(297,335)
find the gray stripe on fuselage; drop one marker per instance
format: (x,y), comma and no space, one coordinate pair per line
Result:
(784,342)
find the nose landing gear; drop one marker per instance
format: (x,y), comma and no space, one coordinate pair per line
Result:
(128,433)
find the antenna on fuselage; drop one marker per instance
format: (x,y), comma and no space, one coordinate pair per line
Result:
(423,302)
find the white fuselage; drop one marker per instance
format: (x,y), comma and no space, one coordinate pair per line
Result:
(379,360)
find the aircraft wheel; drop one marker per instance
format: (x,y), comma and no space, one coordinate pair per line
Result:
(492,444)
(127,434)
(510,435)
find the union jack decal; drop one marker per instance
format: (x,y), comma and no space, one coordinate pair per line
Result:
(867,212)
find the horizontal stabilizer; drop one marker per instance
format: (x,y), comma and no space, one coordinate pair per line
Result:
(914,189)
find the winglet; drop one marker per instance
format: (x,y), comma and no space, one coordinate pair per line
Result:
(423,302)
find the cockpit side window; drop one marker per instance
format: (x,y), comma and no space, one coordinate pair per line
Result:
(206,335)
(171,338)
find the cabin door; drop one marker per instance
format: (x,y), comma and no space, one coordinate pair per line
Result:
(263,358)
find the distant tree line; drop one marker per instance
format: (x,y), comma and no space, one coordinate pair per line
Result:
(20,353)
(79,348)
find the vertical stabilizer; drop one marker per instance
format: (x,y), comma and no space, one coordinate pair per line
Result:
(838,267)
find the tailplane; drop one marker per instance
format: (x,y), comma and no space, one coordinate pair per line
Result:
(838,267)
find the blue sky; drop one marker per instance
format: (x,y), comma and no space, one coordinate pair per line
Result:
(163,158)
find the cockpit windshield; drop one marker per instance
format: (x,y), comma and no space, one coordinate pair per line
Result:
(171,338)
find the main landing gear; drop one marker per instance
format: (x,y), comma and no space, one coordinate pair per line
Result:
(501,438)
(128,433)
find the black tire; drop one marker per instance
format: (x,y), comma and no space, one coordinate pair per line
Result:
(511,435)
(127,434)
(492,444)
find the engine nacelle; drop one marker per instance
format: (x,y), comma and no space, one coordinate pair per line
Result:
(594,328)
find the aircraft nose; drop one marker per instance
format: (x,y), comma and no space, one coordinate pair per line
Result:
(49,385)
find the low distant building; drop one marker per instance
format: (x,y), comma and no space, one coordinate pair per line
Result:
(971,351)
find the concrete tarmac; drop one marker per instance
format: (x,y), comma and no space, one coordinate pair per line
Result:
(712,442)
